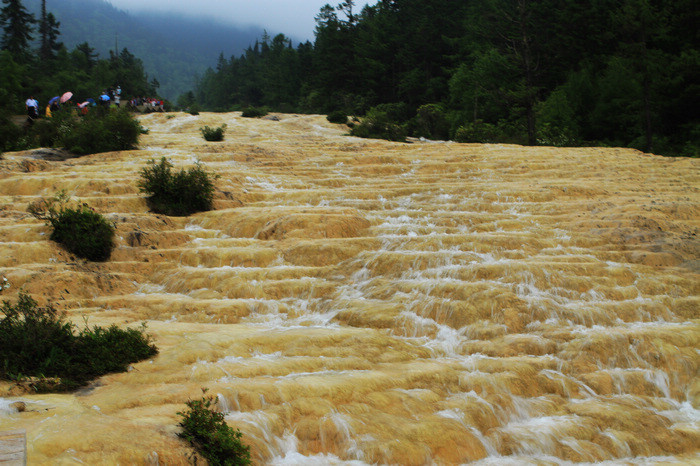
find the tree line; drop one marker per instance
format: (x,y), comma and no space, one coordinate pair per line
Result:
(555,72)
(33,61)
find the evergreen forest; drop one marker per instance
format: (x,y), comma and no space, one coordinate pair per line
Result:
(35,62)
(552,72)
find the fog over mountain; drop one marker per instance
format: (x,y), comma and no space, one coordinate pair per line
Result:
(174,48)
(294,18)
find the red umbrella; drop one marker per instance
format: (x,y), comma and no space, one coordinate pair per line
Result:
(66,97)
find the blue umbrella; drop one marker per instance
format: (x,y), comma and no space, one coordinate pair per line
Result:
(91,100)
(53,99)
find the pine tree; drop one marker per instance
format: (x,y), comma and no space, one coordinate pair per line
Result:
(16,23)
(48,34)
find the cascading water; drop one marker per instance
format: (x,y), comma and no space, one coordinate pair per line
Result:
(366,302)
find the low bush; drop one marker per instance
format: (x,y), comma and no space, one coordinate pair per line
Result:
(96,132)
(38,347)
(339,117)
(378,124)
(254,112)
(213,134)
(10,135)
(81,230)
(430,122)
(179,194)
(193,109)
(206,430)
(478,132)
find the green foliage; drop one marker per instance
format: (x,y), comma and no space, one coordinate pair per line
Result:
(478,132)
(213,134)
(81,230)
(179,194)
(558,123)
(17,28)
(206,430)
(10,135)
(338,116)
(563,73)
(254,112)
(98,131)
(101,131)
(36,342)
(431,122)
(193,109)
(378,124)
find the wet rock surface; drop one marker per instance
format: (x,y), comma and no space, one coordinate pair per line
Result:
(387,303)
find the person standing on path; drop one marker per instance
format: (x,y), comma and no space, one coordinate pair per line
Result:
(32,108)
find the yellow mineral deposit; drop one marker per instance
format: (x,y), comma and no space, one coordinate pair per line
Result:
(364,301)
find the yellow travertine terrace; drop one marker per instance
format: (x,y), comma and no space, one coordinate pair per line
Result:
(368,302)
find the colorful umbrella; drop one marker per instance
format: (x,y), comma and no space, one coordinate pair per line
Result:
(84,104)
(66,97)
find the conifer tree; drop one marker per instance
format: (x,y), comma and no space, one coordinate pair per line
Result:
(48,34)
(16,23)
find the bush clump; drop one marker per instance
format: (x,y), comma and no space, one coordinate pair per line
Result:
(99,131)
(39,348)
(103,132)
(254,112)
(431,122)
(380,123)
(81,230)
(178,194)
(213,134)
(338,116)
(207,431)
(10,135)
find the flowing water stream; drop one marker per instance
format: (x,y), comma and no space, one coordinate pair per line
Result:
(364,302)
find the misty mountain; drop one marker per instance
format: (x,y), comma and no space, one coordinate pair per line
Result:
(174,48)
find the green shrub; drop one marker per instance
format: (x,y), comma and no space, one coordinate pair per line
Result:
(337,117)
(254,112)
(97,132)
(81,230)
(193,109)
(213,134)
(10,134)
(39,348)
(207,431)
(431,122)
(179,194)
(477,132)
(378,124)
(45,133)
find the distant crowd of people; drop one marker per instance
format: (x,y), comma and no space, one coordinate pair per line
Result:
(107,98)
(148,102)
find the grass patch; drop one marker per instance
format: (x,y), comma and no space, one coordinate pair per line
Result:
(40,349)
(206,430)
(81,230)
(177,193)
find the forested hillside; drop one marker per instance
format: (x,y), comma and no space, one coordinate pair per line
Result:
(174,49)
(561,72)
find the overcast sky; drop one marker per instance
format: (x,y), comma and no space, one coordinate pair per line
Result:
(294,18)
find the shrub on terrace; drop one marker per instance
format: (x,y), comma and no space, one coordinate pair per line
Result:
(179,194)
(40,349)
(81,230)
(206,430)
(213,134)
(254,112)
